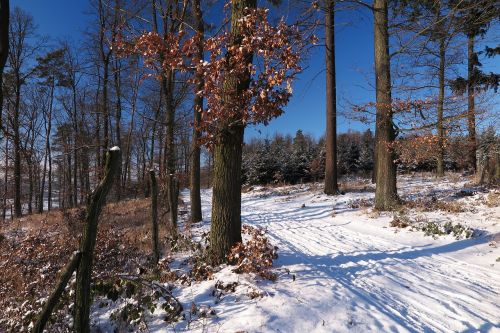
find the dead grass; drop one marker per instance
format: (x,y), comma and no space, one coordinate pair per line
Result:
(357,186)
(35,248)
(493,199)
(432,204)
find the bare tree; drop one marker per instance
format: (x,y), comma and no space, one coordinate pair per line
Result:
(21,31)
(198,109)
(4,45)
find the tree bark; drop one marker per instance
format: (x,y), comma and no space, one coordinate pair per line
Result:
(331,185)
(225,229)
(87,244)
(226,201)
(471,113)
(386,193)
(198,109)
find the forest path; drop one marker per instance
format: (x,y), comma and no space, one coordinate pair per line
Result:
(352,279)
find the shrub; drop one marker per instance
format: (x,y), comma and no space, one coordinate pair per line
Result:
(457,230)
(400,221)
(255,255)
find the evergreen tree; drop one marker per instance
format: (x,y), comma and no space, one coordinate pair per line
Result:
(475,19)
(366,151)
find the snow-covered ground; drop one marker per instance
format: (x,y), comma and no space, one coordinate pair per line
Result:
(344,269)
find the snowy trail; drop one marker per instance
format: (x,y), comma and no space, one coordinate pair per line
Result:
(352,281)
(344,271)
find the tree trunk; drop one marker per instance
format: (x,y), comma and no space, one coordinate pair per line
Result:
(105,108)
(127,168)
(75,148)
(69,179)
(497,164)
(440,107)
(17,150)
(331,185)
(225,229)
(44,170)
(5,179)
(173,201)
(4,46)
(98,135)
(471,113)
(49,180)
(375,158)
(30,181)
(169,138)
(226,201)
(154,217)
(118,116)
(198,109)
(88,240)
(386,192)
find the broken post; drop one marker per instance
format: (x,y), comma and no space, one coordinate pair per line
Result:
(95,203)
(56,294)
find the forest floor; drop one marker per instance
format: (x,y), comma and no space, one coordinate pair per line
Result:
(431,266)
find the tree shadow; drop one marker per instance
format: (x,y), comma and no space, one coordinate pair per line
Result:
(346,268)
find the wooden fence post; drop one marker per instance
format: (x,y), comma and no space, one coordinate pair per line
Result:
(95,203)
(56,294)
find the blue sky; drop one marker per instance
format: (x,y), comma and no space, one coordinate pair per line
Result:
(306,110)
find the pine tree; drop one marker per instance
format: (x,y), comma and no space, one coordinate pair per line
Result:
(366,151)
(475,19)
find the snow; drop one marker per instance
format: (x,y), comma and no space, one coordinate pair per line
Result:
(343,269)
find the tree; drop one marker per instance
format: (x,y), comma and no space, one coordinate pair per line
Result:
(432,31)
(4,45)
(108,22)
(331,185)
(366,151)
(474,20)
(21,30)
(51,70)
(225,230)
(198,109)
(488,157)
(386,192)
(238,93)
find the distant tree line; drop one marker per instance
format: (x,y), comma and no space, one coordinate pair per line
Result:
(301,158)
